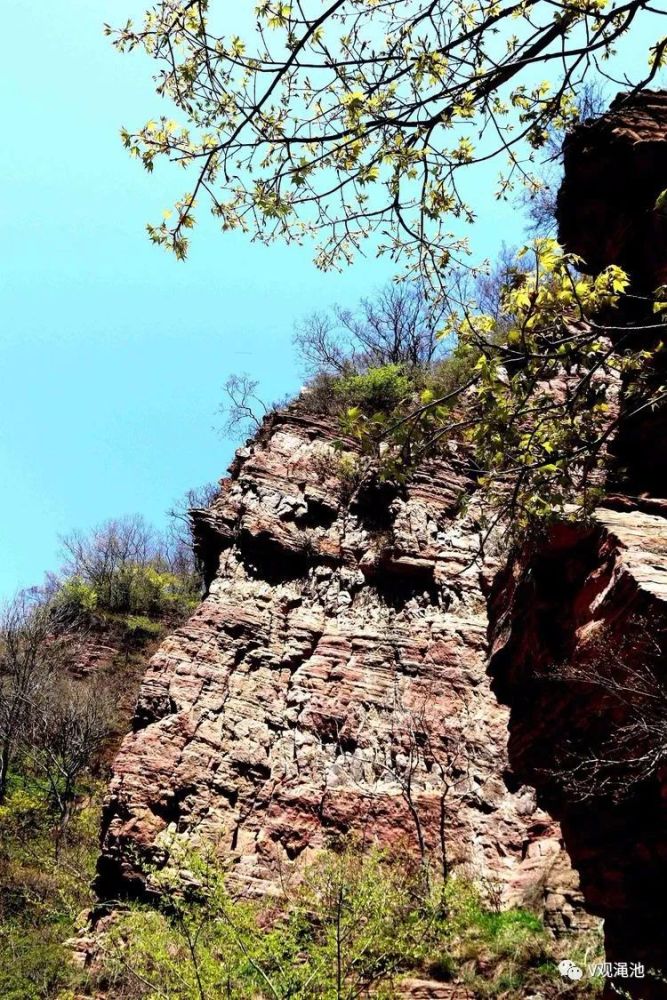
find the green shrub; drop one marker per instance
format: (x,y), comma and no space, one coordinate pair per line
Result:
(131,590)
(22,813)
(379,390)
(452,371)
(355,925)
(494,951)
(351,925)
(152,591)
(33,963)
(41,895)
(143,590)
(139,627)
(77,597)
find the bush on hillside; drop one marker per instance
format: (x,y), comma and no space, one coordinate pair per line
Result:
(41,896)
(378,390)
(151,591)
(124,567)
(356,924)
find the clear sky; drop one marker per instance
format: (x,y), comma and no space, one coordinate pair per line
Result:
(113,354)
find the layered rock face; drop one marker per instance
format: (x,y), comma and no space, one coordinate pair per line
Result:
(615,169)
(332,682)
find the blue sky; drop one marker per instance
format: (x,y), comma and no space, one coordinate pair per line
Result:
(113,354)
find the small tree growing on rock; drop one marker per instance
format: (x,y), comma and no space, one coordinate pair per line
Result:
(429,758)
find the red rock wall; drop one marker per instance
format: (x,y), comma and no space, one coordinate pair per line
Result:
(341,650)
(615,168)
(579,628)
(340,653)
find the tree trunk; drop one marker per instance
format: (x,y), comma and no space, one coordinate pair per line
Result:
(4,770)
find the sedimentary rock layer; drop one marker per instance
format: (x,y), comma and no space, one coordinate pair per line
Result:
(332,682)
(615,168)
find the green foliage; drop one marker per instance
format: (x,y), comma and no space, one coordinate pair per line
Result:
(149,590)
(145,590)
(376,390)
(402,427)
(355,121)
(453,371)
(33,965)
(77,597)
(357,918)
(356,923)
(30,874)
(139,592)
(22,812)
(543,395)
(41,895)
(493,951)
(351,924)
(49,802)
(124,567)
(141,627)
(530,393)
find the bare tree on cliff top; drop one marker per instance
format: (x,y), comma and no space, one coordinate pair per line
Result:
(397,326)
(243,408)
(359,118)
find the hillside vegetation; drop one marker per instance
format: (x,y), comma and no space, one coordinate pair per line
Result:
(72,654)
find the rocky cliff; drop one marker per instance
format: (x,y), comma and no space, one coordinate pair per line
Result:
(333,680)
(579,626)
(614,170)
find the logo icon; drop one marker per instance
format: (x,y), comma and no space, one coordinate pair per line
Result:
(569,970)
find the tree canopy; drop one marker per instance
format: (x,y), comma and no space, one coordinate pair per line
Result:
(360,120)
(356,118)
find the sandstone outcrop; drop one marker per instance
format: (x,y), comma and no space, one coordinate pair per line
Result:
(579,627)
(332,681)
(615,169)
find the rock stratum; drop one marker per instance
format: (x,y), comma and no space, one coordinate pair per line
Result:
(332,682)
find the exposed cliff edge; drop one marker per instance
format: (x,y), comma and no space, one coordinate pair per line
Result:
(615,169)
(333,680)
